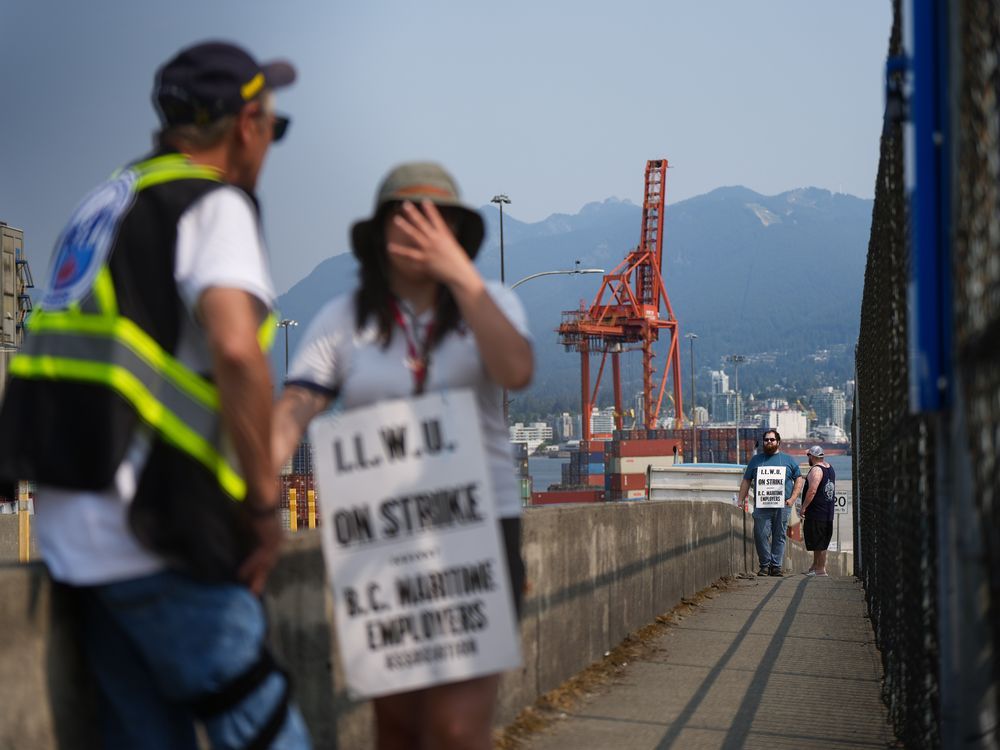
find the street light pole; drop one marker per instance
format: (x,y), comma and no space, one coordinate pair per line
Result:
(569,272)
(286,323)
(694,403)
(737,359)
(500,200)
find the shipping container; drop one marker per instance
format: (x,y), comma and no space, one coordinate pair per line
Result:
(302,484)
(623,496)
(695,482)
(638,464)
(645,447)
(626,481)
(567,496)
(526,490)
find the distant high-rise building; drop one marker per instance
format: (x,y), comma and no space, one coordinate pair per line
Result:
(639,404)
(789,422)
(565,425)
(724,406)
(533,434)
(602,420)
(701,414)
(15,300)
(830,406)
(720,381)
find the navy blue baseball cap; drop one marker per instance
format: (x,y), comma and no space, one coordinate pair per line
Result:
(211,80)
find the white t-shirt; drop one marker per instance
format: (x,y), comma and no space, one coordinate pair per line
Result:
(337,358)
(84,537)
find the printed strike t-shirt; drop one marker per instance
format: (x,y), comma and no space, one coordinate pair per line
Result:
(340,360)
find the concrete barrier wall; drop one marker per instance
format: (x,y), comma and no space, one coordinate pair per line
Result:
(595,574)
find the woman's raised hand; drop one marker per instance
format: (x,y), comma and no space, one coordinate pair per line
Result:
(427,243)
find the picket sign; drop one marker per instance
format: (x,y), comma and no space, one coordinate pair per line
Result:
(412,546)
(770,487)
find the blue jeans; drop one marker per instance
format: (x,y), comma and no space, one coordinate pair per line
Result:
(157,644)
(769,535)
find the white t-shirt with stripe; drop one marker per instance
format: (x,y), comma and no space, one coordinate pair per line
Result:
(84,537)
(336,358)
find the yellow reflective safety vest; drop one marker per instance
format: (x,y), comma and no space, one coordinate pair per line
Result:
(98,363)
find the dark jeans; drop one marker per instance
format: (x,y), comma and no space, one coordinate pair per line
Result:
(157,643)
(769,535)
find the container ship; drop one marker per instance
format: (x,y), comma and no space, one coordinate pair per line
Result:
(831,438)
(799,447)
(614,469)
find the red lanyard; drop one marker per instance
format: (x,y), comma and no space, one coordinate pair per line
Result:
(418,358)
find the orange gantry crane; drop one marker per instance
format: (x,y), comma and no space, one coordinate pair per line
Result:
(630,319)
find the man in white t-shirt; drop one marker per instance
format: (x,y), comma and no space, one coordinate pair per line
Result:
(149,437)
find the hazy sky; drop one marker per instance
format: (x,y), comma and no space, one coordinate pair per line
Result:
(554,103)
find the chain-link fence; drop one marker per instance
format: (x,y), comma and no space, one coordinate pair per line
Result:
(894,463)
(897,452)
(976,251)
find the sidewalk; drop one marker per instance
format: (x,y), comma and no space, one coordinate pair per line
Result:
(771,663)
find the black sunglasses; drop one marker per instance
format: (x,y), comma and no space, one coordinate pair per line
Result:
(281,123)
(770,440)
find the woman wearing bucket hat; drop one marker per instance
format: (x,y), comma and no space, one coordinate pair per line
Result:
(421,319)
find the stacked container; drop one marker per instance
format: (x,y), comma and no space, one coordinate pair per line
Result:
(630,454)
(302,484)
(297,474)
(522,472)
(585,468)
(718,444)
(619,465)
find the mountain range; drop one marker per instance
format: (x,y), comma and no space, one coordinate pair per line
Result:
(776,277)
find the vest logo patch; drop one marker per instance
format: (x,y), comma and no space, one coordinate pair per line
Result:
(86,241)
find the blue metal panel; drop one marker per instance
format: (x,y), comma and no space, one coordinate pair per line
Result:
(929,291)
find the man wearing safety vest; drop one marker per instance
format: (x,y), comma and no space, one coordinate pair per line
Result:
(140,405)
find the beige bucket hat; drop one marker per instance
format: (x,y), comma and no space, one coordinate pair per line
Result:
(415,182)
